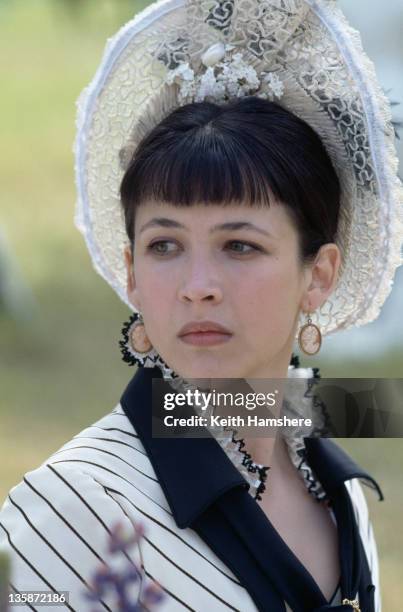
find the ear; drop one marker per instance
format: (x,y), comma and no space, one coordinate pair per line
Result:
(131,288)
(322,277)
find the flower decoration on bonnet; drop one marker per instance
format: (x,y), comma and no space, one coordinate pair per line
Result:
(225,74)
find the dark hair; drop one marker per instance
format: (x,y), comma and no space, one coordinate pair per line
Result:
(244,151)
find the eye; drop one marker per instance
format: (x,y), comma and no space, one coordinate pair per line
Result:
(242,248)
(159,247)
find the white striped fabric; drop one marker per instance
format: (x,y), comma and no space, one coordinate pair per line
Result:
(55,527)
(367,534)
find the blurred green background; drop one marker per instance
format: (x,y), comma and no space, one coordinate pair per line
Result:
(60,366)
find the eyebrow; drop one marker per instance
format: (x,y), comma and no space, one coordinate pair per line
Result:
(230,225)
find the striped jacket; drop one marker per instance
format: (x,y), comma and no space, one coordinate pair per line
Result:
(206,541)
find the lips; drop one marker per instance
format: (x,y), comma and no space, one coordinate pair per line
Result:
(203,327)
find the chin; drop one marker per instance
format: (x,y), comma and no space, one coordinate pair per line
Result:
(192,369)
(212,370)
(211,364)
(191,372)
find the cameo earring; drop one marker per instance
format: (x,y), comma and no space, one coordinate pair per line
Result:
(136,347)
(310,337)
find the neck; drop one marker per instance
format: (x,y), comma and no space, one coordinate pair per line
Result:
(270,450)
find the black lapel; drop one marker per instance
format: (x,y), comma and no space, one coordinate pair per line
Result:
(207,493)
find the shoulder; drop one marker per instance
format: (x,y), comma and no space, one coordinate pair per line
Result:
(335,468)
(113,455)
(78,475)
(57,523)
(366,532)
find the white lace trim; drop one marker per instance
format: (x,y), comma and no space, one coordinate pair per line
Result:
(295,405)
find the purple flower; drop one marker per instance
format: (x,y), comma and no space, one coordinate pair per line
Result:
(107,580)
(120,540)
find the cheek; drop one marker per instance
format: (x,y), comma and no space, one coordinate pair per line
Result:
(156,293)
(152,283)
(269,296)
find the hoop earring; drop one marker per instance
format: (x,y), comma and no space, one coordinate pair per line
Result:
(310,337)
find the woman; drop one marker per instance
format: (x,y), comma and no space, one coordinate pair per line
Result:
(241,217)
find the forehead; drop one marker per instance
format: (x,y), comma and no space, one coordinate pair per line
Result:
(197,218)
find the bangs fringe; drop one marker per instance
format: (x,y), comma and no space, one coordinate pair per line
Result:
(250,152)
(208,174)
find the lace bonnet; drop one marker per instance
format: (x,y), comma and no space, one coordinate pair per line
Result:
(300,53)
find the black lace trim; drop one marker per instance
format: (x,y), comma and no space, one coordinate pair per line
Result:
(317,403)
(251,466)
(313,483)
(309,475)
(295,361)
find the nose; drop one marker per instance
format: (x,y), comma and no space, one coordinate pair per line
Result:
(200,283)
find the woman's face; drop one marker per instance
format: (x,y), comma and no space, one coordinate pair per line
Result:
(233,266)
